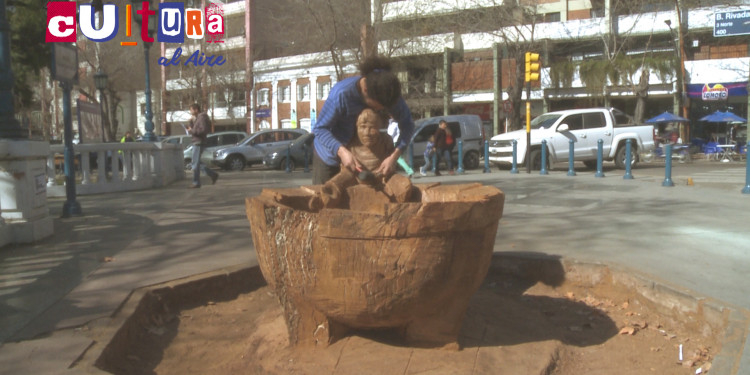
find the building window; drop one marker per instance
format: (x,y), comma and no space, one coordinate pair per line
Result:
(552,17)
(285,94)
(323,89)
(303,93)
(439,87)
(263,97)
(237,97)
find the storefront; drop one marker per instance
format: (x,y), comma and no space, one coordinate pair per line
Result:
(707,98)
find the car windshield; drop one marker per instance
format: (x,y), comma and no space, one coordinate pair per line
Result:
(544,121)
(242,142)
(301,139)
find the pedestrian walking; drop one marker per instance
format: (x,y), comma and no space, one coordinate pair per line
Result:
(444,143)
(428,152)
(199,127)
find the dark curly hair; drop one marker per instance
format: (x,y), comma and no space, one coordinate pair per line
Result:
(382,84)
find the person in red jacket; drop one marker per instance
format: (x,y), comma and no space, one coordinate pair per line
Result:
(444,143)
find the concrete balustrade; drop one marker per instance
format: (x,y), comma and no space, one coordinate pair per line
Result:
(114,167)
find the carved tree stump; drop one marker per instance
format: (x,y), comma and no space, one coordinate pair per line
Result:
(379,263)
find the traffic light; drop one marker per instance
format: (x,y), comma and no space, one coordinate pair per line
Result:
(532,66)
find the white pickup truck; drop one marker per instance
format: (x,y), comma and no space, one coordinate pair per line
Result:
(585,127)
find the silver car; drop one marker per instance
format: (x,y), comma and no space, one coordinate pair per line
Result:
(184,141)
(252,149)
(213,142)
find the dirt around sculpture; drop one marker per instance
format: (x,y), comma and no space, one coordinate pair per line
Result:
(375,252)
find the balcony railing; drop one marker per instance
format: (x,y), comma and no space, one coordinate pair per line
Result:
(114,167)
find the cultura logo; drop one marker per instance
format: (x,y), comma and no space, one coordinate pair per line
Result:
(174,23)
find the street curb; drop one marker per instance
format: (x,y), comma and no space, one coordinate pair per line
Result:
(127,320)
(669,300)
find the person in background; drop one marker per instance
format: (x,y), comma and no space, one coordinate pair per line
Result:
(199,127)
(444,146)
(377,88)
(428,152)
(394,132)
(128,137)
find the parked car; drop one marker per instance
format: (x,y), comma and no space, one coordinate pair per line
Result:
(252,149)
(585,127)
(465,127)
(276,157)
(213,142)
(183,140)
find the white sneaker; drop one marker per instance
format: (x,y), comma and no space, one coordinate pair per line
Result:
(421,171)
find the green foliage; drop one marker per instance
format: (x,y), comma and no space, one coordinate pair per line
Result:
(561,73)
(29,52)
(595,74)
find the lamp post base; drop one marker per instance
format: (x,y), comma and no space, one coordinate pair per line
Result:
(71,208)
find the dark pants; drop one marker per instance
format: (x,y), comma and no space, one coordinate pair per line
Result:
(444,155)
(322,172)
(198,166)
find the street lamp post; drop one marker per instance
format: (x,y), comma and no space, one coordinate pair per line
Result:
(149,136)
(680,49)
(100,81)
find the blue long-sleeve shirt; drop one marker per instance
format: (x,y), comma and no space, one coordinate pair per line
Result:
(336,123)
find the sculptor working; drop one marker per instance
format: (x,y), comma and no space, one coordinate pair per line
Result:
(376,88)
(369,148)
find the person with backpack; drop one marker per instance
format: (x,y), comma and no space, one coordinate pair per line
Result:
(199,127)
(444,143)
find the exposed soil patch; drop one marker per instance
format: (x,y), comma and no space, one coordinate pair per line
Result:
(513,326)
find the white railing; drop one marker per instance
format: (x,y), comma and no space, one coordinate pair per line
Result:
(113,167)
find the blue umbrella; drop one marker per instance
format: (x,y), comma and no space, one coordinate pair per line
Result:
(666,117)
(720,116)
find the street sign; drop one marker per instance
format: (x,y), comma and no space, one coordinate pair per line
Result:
(263,112)
(89,121)
(64,63)
(507,106)
(732,23)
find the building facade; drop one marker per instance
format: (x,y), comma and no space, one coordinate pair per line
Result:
(474,67)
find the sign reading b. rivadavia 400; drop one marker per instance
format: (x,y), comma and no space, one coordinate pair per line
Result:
(732,23)
(175,22)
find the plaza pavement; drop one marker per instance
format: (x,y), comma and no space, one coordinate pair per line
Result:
(54,292)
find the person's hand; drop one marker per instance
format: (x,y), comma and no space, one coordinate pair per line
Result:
(348,160)
(388,166)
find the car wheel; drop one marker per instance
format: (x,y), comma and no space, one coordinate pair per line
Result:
(471,160)
(235,163)
(590,164)
(620,157)
(188,165)
(536,159)
(282,165)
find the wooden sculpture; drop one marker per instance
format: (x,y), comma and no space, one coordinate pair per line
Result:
(350,255)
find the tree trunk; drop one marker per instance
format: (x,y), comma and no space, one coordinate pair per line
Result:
(114,101)
(641,93)
(515,92)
